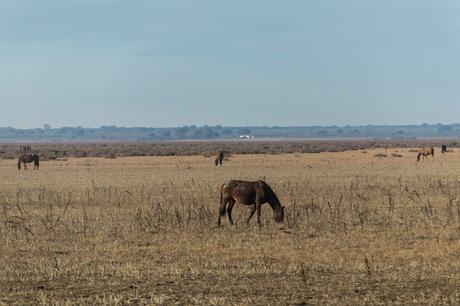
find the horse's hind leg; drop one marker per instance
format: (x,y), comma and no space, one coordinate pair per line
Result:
(25,166)
(222,209)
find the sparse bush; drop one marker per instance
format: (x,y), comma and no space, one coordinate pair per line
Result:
(110,156)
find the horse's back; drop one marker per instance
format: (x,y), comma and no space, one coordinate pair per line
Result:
(28,158)
(247,192)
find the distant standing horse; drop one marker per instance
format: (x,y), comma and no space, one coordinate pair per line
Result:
(249,193)
(219,158)
(28,158)
(425,152)
(443,149)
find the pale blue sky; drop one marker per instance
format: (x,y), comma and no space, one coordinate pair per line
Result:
(234,62)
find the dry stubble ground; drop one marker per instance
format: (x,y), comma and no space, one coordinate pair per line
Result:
(359,230)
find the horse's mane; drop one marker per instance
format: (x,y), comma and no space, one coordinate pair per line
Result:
(273,197)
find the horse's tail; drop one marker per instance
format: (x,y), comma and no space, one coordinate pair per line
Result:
(432,152)
(19,164)
(222,209)
(418,156)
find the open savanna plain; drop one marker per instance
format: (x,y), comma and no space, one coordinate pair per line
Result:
(359,229)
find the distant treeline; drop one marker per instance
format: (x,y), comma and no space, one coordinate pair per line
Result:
(114,133)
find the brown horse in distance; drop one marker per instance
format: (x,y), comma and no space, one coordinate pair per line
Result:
(425,152)
(28,158)
(219,158)
(249,193)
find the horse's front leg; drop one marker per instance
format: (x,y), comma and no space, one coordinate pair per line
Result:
(229,210)
(253,211)
(259,211)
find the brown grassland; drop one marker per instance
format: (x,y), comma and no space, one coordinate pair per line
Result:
(359,229)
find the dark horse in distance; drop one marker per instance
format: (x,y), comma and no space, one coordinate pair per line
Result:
(425,152)
(28,158)
(249,193)
(219,158)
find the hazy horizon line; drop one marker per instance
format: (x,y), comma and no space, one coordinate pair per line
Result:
(45,126)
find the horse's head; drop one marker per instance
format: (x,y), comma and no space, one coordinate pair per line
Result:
(279,214)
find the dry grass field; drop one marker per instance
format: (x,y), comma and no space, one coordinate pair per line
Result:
(359,229)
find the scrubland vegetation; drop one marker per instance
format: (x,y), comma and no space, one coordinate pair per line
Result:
(53,151)
(359,229)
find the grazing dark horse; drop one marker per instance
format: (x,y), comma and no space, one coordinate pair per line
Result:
(249,193)
(425,152)
(219,158)
(28,158)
